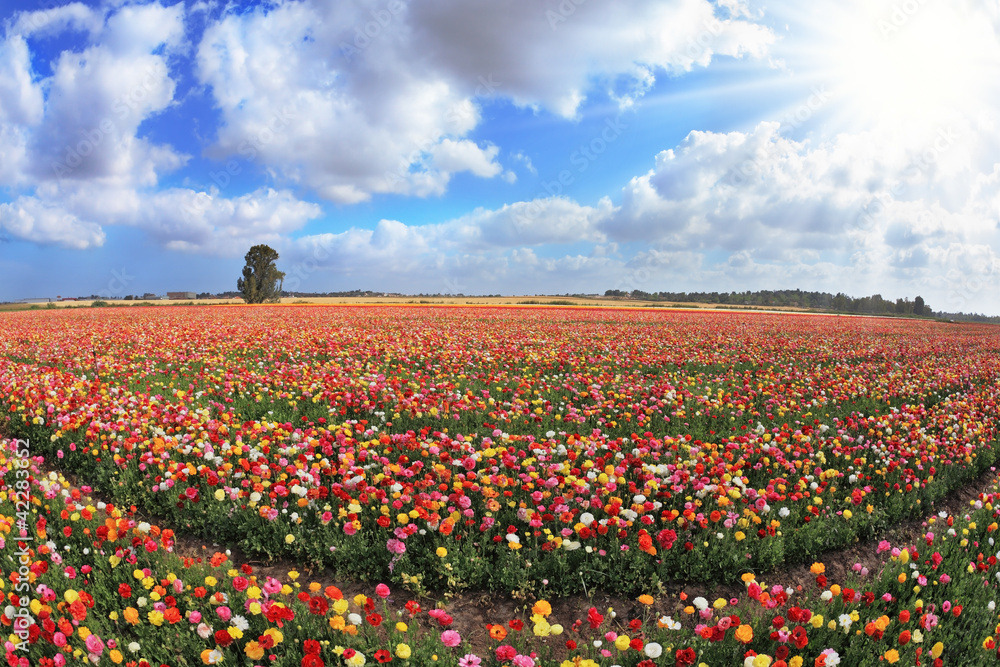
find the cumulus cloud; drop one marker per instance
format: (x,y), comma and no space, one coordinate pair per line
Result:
(356,99)
(32,220)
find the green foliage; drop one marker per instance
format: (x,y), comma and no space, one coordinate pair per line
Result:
(261,281)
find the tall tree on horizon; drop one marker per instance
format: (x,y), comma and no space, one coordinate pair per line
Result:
(261,281)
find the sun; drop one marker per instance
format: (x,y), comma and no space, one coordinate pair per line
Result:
(917,62)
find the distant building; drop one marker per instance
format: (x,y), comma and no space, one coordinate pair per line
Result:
(180,296)
(148,296)
(36,300)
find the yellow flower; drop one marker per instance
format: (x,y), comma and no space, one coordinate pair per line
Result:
(156,618)
(220,495)
(739,536)
(401,627)
(210,581)
(234,632)
(293,575)
(847,514)
(71,596)
(904,556)
(557,629)
(275,635)
(541,628)
(441,552)
(937,650)
(892,656)
(796,661)
(289,538)
(817,621)
(340,606)
(762,661)
(403,651)
(622,642)
(719,603)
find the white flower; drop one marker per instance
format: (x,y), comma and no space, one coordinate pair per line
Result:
(205,630)
(354,619)
(652,650)
(783,512)
(240,623)
(586,518)
(598,643)
(134,647)
(701,603)
(826,596)
(669,623)
(845,622)
(141,602)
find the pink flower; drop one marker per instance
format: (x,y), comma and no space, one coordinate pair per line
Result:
(395,546)
(349,528)
(94,645)
(450,638)
(469,660)
(382,591)
(195,617)
(225,613)
(59,639)
(523,661)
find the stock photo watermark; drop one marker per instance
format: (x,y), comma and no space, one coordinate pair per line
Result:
(19,599)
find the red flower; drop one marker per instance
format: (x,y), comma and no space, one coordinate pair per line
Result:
(505,652)
(383,656)
(313,660)
(124,590)
(516,625)
(375,620)
(799,637)
(312,646)
(685,657)
(594,618)
(318,606)
(223,638)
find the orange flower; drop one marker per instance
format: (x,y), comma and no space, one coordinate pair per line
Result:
(817,568)
(333,593)
(131,615)
(542,608)
(744,634)
(497,632)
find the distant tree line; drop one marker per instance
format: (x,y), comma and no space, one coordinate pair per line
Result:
(871,305)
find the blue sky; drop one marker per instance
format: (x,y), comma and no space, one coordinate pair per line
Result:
(514,147)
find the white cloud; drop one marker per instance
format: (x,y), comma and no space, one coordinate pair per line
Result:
(29,219)
(356,99)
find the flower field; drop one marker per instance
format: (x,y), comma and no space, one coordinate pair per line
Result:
(535,453)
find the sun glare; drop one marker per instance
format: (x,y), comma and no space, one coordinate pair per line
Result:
(915,62)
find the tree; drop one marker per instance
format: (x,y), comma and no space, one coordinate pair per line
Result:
(918,306)
(261,281)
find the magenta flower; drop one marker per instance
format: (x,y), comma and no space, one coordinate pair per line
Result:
(450,638)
